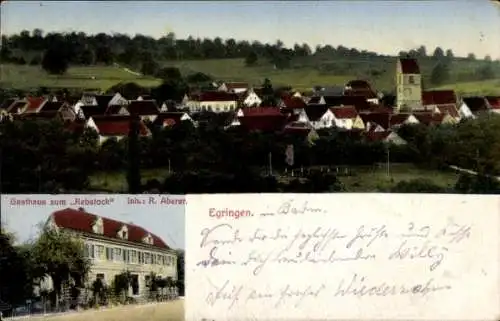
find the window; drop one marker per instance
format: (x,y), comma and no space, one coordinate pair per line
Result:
(411,80)
(141,258)
(109,254)
(124,235)
(169,260)
(147,258)
(100,252)
(158,259)
(118,254)
(133,257)
(125,256)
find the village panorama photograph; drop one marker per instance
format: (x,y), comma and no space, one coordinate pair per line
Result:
(110,256)
(237,96)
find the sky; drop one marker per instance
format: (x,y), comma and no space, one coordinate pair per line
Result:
(383,26)
(167,222)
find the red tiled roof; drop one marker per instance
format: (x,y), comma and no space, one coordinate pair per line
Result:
(494,101)
(409,66)
(291,102)
(217,96)
(34,103)
(81,221)
(143,107)
(168,118)
(263,122)
(381,119)
(117,126)
(255,111)
(346,112)
(439,97)
(450,109)
(429,118)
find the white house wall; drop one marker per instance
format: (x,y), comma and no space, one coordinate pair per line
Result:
(102,264)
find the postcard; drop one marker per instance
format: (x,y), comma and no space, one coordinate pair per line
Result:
(342,257)
(88,252)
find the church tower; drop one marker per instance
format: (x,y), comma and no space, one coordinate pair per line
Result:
(408,85)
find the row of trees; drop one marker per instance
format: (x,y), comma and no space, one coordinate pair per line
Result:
(143,51)
(54,271)
(45,157)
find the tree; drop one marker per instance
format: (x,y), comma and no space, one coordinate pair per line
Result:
(251,59)
(268,93)
(440,73)
(134,163)
(15,279)
(449,54)
(169,73)
(60,256)
(198,77)
(438,53)
(149,67)
(180,271)
(55,61)
(471,57)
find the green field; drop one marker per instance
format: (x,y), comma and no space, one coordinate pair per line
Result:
(32,77)
(487,87)
(364,179)
(303,75)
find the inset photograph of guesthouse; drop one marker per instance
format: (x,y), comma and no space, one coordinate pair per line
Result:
(107,256)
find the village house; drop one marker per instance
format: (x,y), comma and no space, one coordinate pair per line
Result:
(431,119)
(361,88)
(170,119)
(234,87)
(388,137)
(117,127)
(291,104)
(265,119)
(33,104)
(57,109)
(147,110)
(213,101)
(408,85)
(347,118)
(114,247)
(306,131)
(319,116)
(432,99)
(475,105)
(494,104)
(249,98)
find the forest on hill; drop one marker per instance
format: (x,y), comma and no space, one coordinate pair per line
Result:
(149,55)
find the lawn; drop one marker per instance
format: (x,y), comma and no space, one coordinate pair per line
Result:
(33,77)
(117,181)
(375,179)
(365,179)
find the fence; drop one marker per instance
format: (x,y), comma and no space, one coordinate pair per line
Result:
(86,300)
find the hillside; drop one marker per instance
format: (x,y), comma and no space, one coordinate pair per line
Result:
(303,75)
(89,77)
(223,59)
